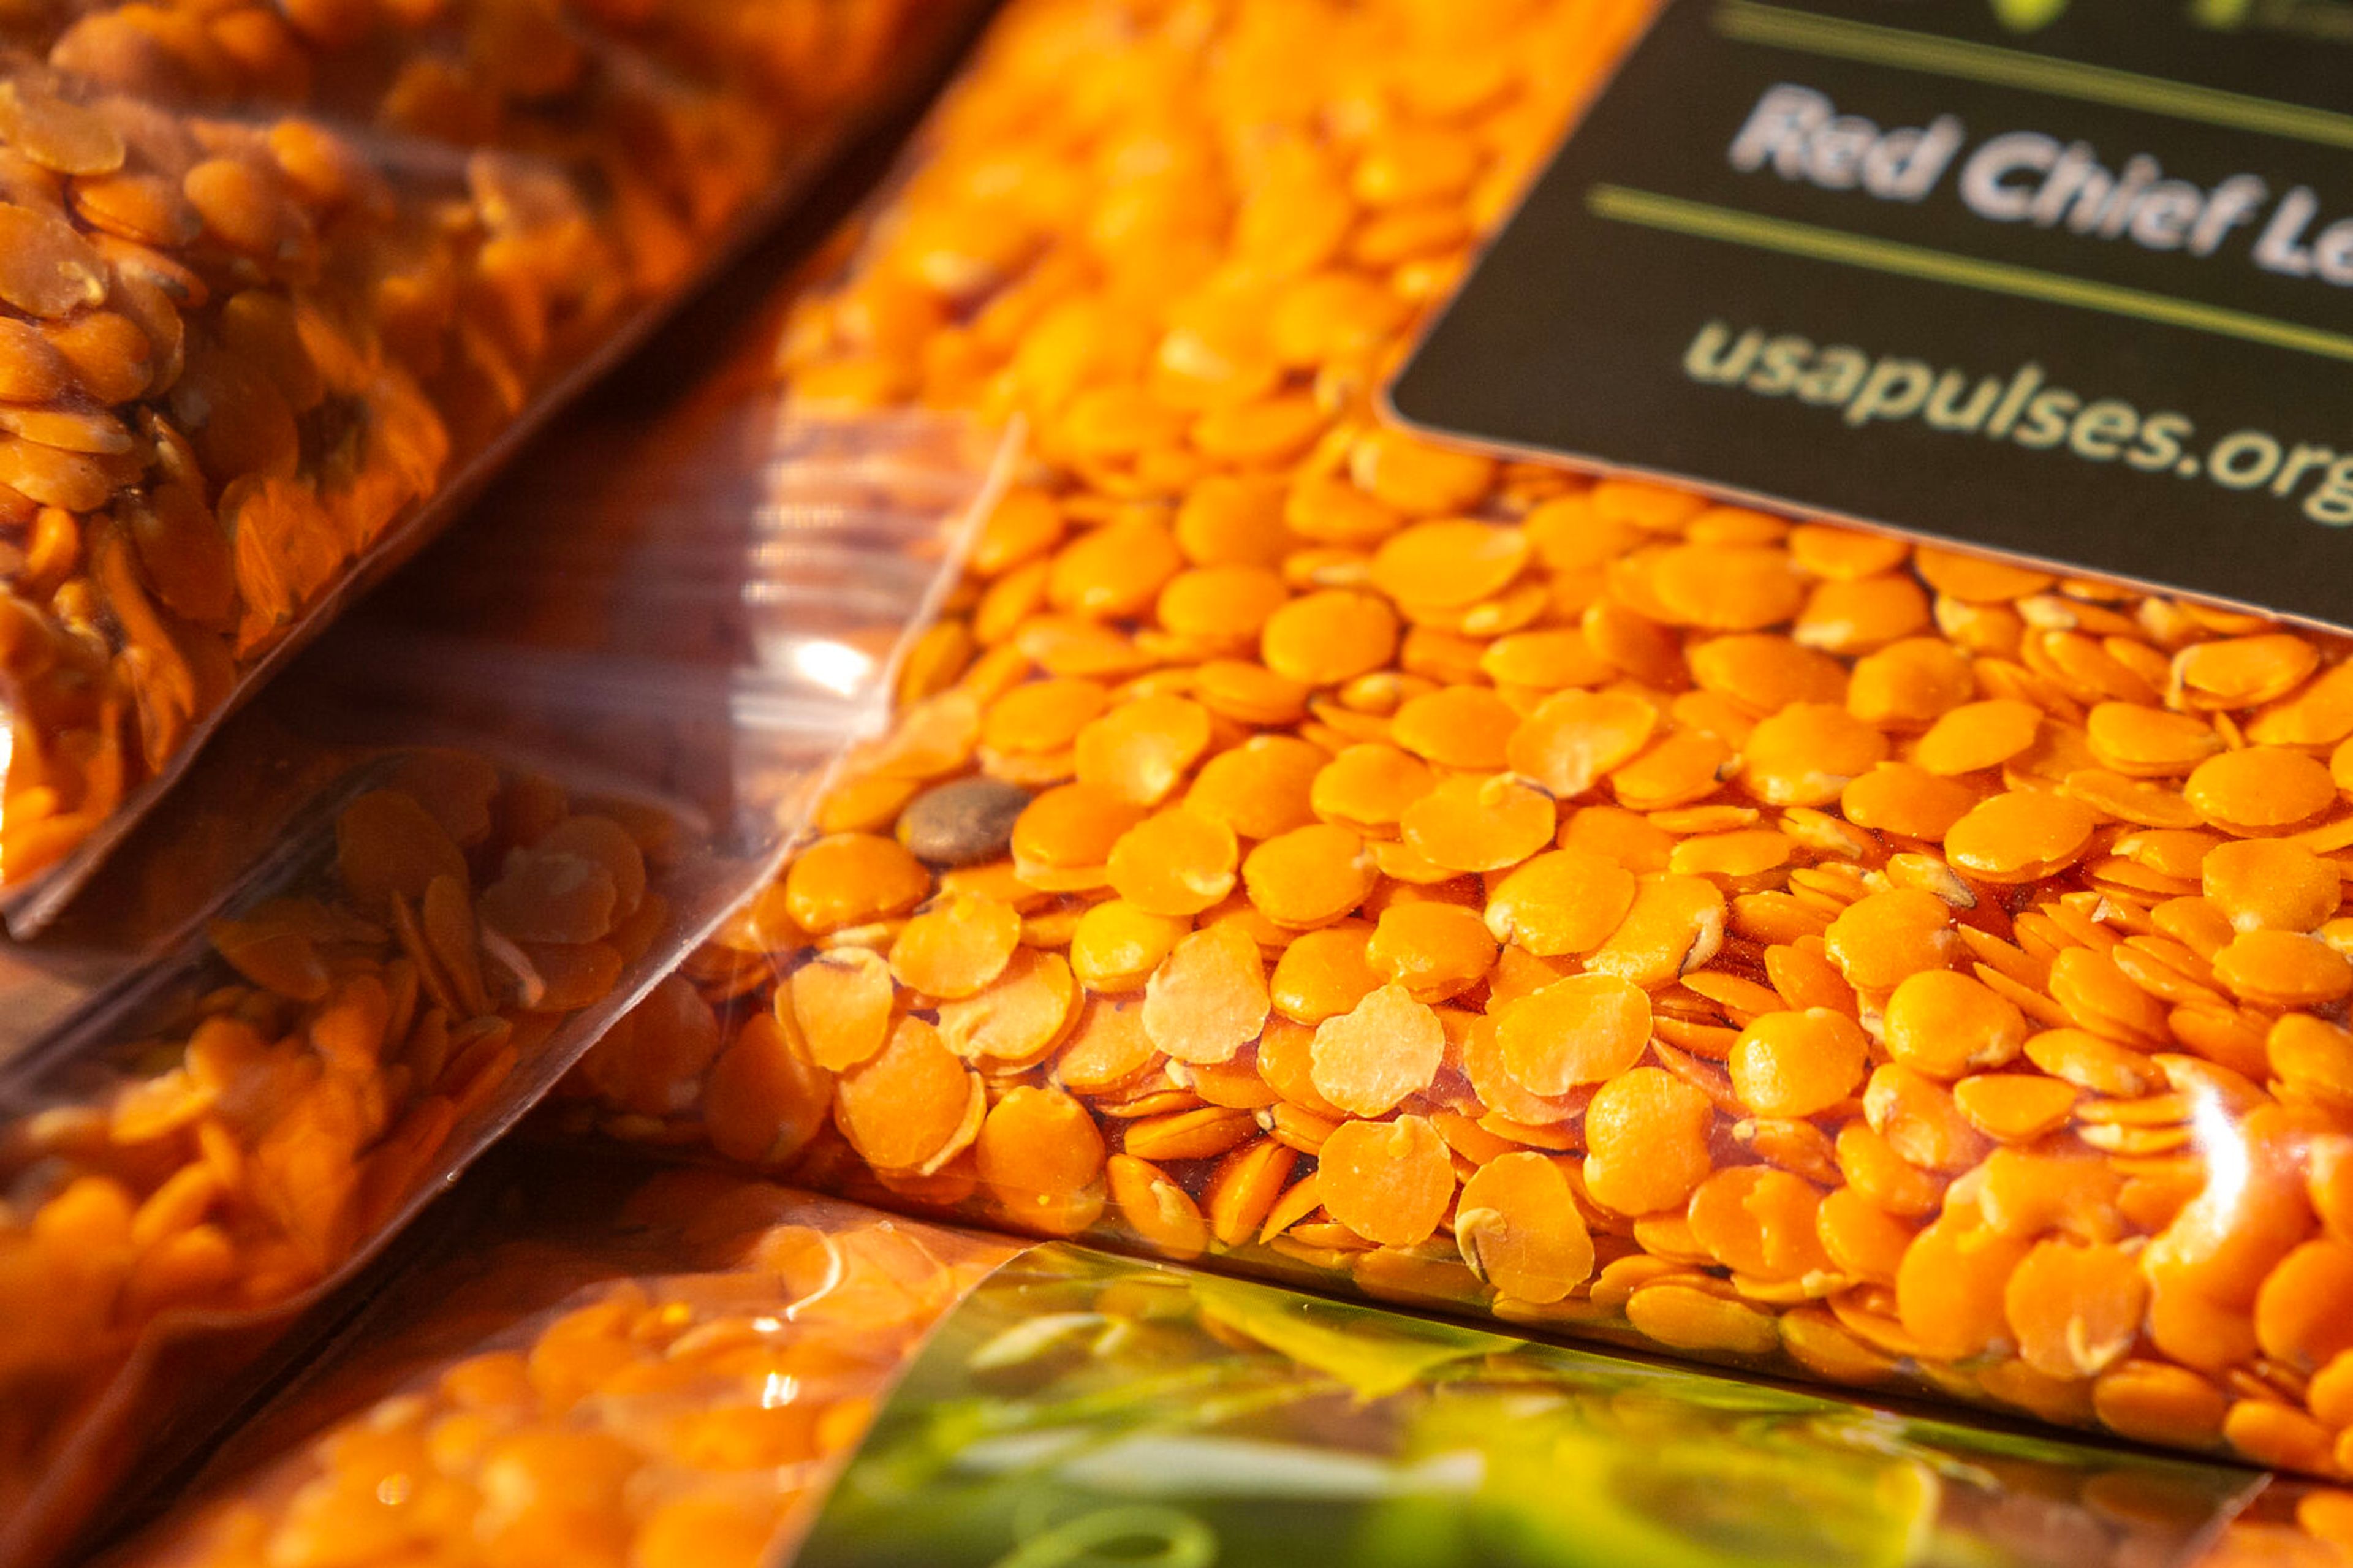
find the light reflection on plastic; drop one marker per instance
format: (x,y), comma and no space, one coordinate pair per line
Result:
(779,1391)
(2216,1135)
(836,665)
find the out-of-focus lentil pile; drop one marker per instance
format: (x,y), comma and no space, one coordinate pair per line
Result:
(293,1089)
(1479,885)
(2288,1524)
(273,273)
(685,1420)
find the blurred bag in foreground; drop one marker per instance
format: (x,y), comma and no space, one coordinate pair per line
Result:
(596,1365)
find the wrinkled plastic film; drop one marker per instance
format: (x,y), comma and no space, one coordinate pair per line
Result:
(673,1379)
(285,284)
(463,850)
(1474,884)
(710,1368)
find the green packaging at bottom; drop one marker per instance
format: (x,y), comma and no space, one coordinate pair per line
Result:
(1080,1410)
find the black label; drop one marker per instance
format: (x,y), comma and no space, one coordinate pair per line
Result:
(2072,280)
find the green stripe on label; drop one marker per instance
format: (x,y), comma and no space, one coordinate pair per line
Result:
(1776,26)
(1705,220)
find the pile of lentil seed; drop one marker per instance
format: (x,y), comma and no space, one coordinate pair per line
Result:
(677,1420)
(1306,846)
(298,1084)
(270,270)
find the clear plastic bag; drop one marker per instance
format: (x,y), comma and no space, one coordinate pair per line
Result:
(1473,883)
(413,883)
(285,283)
(668,1374)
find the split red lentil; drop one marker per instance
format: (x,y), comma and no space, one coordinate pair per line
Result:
(1627,915)
(253,313)
(300,1082)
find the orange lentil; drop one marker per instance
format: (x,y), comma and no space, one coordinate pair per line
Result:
(1436,951)
(1947,1024)
(2015,1108)
(1884,938)
(1116,946)
(2265,883)
(1797,1063)
(1807,754)
(850,878)
(1646,1142)
(1162,1212)
(1176,863)
(1310,876)
(2284,969)
(1952,1290)
(1675,924)
(1330,636)
(2074,1310)
(1042,715)
(1323,973)
(1209,998)
(910,1103)
(1450,562)
(955,949)
(1367,1060)
(1369,786)
(841,1003)
(1559,902)
(1977,735)
(1036,1146)
(1589,1028)
(1389,1182)
(1455,727)
(1015,1021)
(2258,789)
(1261,788)
(1518,1229)
(1140,750)
(1573,739)
(1759,1222)
(1473,824)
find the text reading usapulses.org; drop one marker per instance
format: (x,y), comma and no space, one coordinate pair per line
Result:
(2023,408)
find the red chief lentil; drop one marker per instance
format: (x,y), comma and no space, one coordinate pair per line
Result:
(1647,918)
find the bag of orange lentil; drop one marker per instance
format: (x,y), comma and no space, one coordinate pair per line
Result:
(592,1362)
(1338,855)
(597,1365)
(464,837)
(282,284)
